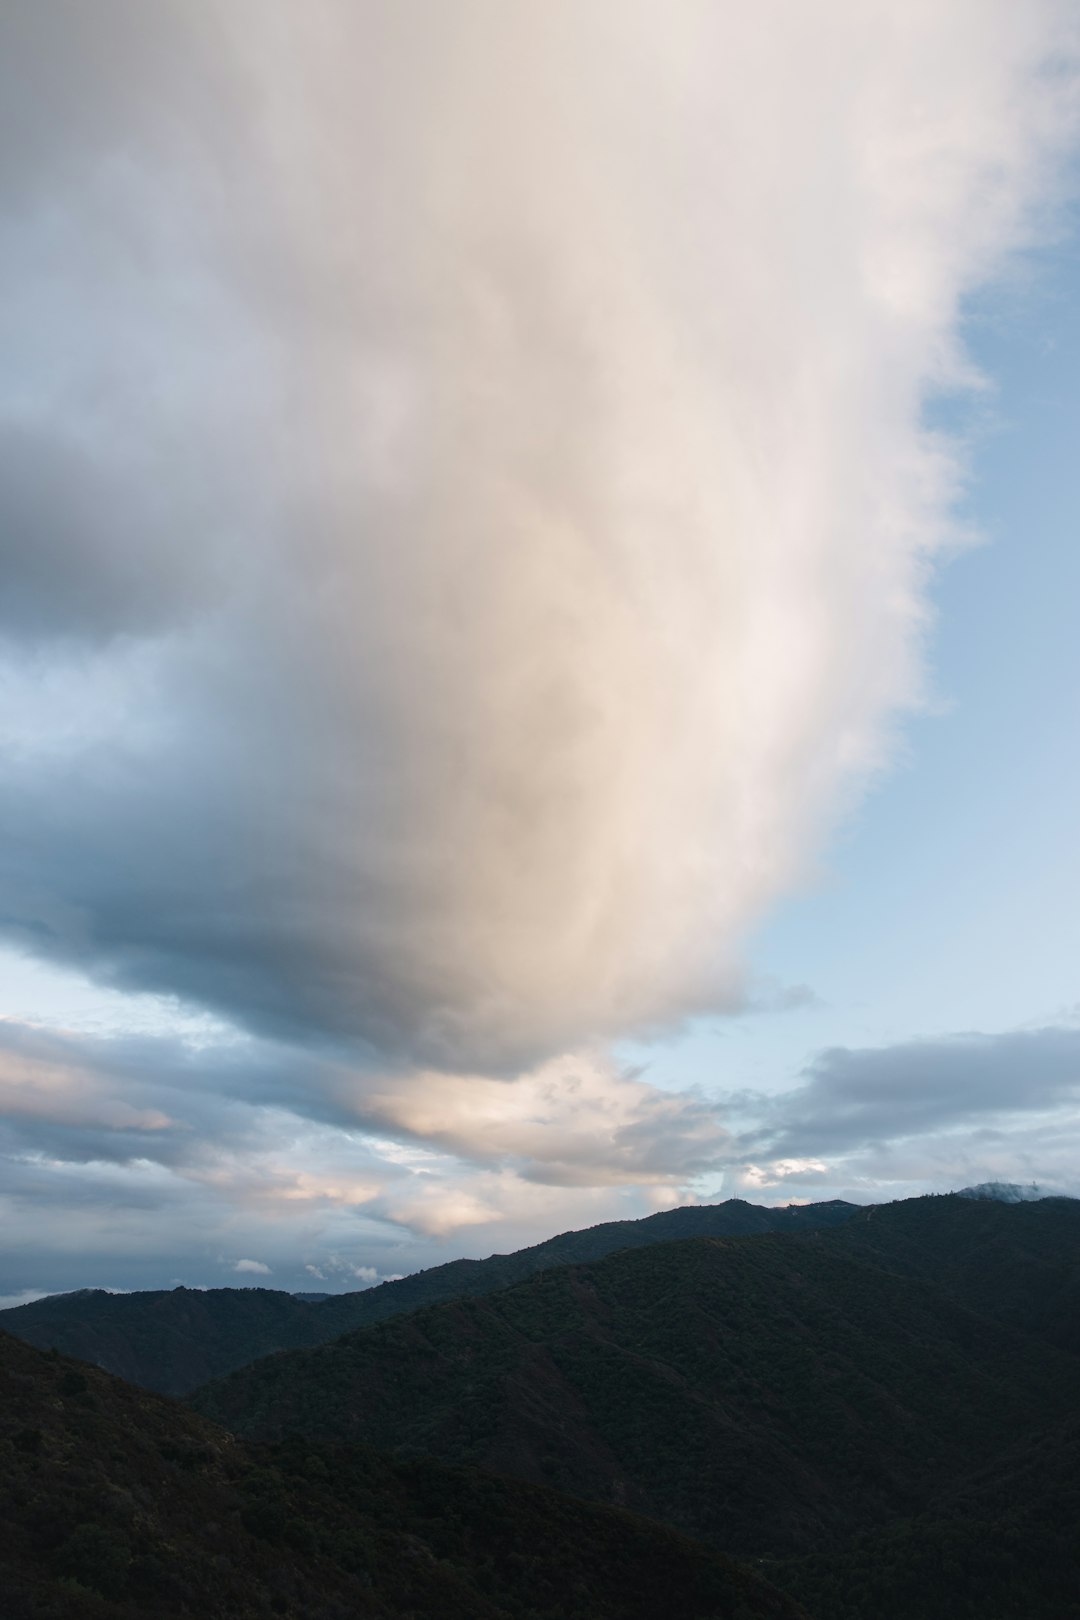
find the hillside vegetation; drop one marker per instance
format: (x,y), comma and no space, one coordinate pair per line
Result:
(119,1505)
(1001,1543)
(174,1340)
(772,1395)
(879,1407)
(1018,1263)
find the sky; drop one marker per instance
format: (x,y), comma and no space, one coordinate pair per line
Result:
(537,563)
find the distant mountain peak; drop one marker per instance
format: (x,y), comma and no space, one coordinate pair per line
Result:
(1005,1192)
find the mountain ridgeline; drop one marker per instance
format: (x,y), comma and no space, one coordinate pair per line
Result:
(875,1408)
(174,1340)
(770,1394)
(879,1414)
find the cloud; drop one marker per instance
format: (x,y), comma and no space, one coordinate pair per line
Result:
(254,1266)
(347,1175)
(853,1098)
(333,1267)
(352,1176)
(25,1296)
(466,508)
(938,1112)
(301,1127)
(575,1121)
(465,517)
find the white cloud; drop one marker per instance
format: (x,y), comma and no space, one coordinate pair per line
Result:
(333,1267)
(507,423)
(758,1177)
(25,1297)
(577,1120)
(256,1267)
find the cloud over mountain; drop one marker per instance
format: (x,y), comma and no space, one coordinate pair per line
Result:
(941,1111)
(478,535)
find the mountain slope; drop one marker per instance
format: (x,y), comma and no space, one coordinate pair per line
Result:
(1001,1542)
(768,1394)
(175,1340)
(1017,1262)
(118,1504)
(168,1340)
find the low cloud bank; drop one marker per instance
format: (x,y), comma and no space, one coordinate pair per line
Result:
(377,1180)
(947,1111)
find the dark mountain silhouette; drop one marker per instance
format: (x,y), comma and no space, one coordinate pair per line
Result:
(881,1410)
(169,1339)
(1017,1263)
(118,1504)
(1001,1542)
(174,1340)
(774,1395)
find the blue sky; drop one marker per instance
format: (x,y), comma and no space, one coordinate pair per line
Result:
(950,900)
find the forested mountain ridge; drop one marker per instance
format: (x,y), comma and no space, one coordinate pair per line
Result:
(1015,1262)
(118,1504)
(999,1543)
(884,1415)
(175,1340)
(772,1395)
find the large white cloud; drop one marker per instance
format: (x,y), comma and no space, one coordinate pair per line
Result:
(466,511)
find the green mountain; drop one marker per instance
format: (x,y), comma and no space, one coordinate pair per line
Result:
(168,1340)
(175,1340)
(1016,1262)
(118,1504)
(883,1413)
(1002,1543)
(774,1395)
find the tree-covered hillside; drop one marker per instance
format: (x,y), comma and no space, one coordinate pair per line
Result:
(1016,1262)
(175,1340)
(119,1505)
(1001,1543)
(773,1395)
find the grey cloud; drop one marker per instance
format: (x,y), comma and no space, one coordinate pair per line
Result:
(88,550)
(132,1159)
(301,1168)
(182,1104)
(76,81)
(49,1204)
(157,1099)
(288,1155)
(444,627)
(678,1141)
(981,1084)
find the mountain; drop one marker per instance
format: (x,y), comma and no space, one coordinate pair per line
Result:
(883,1413)
(1001,1542)
(177,1339)
(773,1395)
(1004,1192)
(118,1504)
(166,1340)
(1016,1263)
